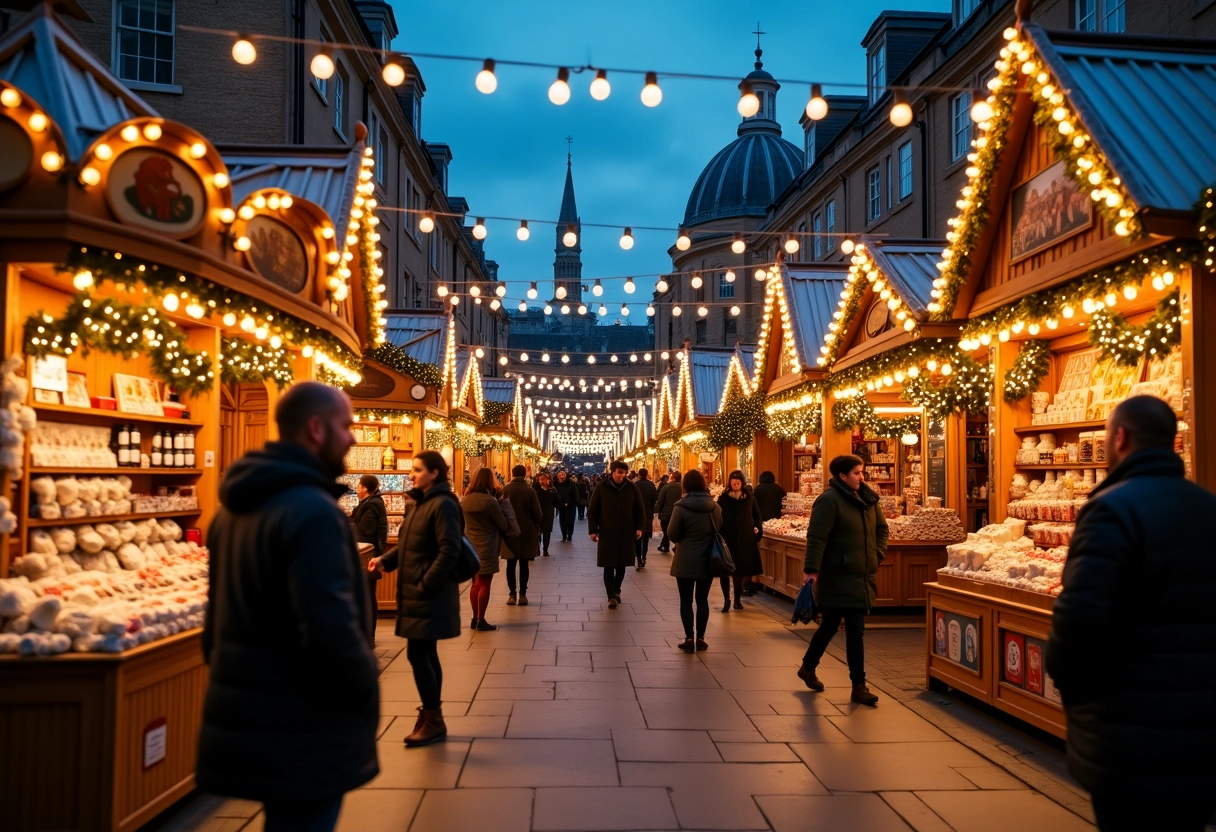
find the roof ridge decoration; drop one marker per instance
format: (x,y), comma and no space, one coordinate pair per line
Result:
(775,297)
(665,406)
(685,407)
(863,265)
(1026,53)
(472,385)
(517,411)
(447,373)
(639,438)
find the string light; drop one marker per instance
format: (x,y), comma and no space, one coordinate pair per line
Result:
(598,288)
(661,286)
(393,72)
(627,238)
(322,66)
(559,90)
(901,112)
(486,82)
(792,245)
(600,88)
(651,94)
(532,291)
(817,106)
(737,245)
(630,287)
(522,233)
(427,224)
(560,292)
(479,229)
(570,238)
(729,277)
(696,281)
(243,51)
(748,104)
(683,242)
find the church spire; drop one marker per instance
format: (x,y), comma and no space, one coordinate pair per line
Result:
(568,260)
(569,212)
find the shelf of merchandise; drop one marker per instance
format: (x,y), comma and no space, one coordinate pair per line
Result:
(116,471)
(96,413)
(36,522)
(378,471)
(1061,466)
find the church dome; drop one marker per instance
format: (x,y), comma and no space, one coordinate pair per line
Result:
(744,178)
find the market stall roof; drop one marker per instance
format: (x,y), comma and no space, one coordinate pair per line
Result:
(813,292)
(419,334)
(325,176)
(709,371)
(1150,104)
(498,389)
(910,267)
(42,57)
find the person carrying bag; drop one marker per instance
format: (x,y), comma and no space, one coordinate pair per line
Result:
(700,551)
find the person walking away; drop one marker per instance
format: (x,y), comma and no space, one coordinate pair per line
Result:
(523,549)
(846,540)
(669,495)
(547,496)
(1132,648)
(584,495)
(428,597)
(741,525)
(567,504)
(650,495)
(484,526)
(370,521)
(693,524)
(769,496)
(292,702)
(615,519)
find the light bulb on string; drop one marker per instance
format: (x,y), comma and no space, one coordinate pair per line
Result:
(729,277)
(696,281)
(523,359)
(502,360)
(676,311)
(603,310)
(737,245)
(486,81)
(598,288)
(735,310)
(559,90)
(600,88)
(442,291)
(981,110)
(748,104)
(455,299)
(761,274)
(548,309)
(322,65)
(532,292)
(817,107)
(649,311)
(683,241)
(792,245)
(565,358)
(661,286)
(847,246)
(565,309)
(630,286)
(427,224)
(522,233)
(702,311)
(582,309)
(393,72)
(570,238)
(651,94)
(523,306)
(479,229)
(627,239)
(901,111)
(624,310)
(243,51)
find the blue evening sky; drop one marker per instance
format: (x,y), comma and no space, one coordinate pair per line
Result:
(632,165)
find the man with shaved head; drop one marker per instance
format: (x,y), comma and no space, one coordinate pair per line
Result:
(293,703)
(1133,638)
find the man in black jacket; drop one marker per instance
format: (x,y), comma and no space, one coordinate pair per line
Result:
(649,495)
(769,496)
(567,503)
(370,522)
(614,522)
(1133,639)
(669,495)
(293,701)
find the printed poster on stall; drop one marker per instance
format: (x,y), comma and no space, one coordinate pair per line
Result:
(1023,665)
(956,638)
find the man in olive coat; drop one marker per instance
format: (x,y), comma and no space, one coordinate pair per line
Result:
(1133,634)
(293,701)
(526,546)
(615,519)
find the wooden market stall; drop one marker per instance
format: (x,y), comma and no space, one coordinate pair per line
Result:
(1079,301)
(154,304)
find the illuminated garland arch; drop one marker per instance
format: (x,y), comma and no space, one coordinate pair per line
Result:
(855,411)
(1028,370)
(1127,344)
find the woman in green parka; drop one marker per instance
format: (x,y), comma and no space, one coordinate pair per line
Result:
(845,541)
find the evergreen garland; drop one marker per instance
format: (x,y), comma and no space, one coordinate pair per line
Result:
(893,361)
(494,411)
(967,389)
(244,363)
(788,424)
(1024,377)
(115,326)
(738,420)
(855,411)
(1127,344)
(393,357)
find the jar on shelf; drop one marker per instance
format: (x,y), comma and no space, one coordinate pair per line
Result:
(1085,451)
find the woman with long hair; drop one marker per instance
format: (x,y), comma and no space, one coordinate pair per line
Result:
(846,540)
(428,600)
(694,520)
(484,525)
(741,530)
(548,508)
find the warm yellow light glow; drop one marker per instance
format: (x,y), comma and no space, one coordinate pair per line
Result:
(651,94)
(393,73)
(600,88)
(220,180)
(51,161)
(10,97)
(559,90)
(486,81)
(90,175)
(152,132)
(129,133)
(244,52)
(817,107)
(38,122)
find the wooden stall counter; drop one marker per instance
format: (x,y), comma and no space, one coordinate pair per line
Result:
(105,741)
(902,575)
(989,641)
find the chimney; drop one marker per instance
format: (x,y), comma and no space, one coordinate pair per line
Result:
(378,17)
(441,157)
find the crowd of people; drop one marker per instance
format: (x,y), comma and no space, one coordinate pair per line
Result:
(292,602)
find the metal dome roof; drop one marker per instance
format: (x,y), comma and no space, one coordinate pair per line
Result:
(744,178)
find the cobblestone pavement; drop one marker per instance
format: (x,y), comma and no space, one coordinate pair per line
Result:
(573,716)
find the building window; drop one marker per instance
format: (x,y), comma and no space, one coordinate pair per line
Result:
(725,290)
(830,210)
(340,86)
(1102,15)
(963,9)
(817,228)
(321,85)
(810,146)
(886,171)
(702,331)
(960,126)
(145,41)
(730,329)
(877,75)
(873,194)
(381,163)
(905,170)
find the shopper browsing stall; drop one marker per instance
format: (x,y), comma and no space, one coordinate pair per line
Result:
(741,525)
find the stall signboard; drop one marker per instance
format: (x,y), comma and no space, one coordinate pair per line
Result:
(1023,665)
(956,638)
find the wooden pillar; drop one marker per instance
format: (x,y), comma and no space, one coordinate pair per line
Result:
(1003,447)
(205,408)
(834,442)
(1197,294)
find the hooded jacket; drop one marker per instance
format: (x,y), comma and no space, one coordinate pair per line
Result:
(691,529)
(669,495)
(292,704)
(1133,633)
(846,539)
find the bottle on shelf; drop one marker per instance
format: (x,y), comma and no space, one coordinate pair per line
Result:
(123,446)
(389,459)
(135,443)
(179,450)
(157,456)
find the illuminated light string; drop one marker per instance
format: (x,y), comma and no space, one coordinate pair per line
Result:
(861,265)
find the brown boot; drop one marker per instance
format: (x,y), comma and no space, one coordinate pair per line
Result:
(862,696)
(430,728)
(807,674)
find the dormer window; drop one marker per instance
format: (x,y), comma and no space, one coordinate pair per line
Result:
(877,75)
(810,146)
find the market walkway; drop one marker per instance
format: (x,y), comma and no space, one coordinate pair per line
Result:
(576,717)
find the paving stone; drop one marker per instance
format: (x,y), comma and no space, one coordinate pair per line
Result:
(838,812)
(590,809)
(430,767)
(990,777)
(889,722)
(872,767)
(804,728)
(756,752)
(533,762)
(643,745)
(373,810)
(573,718)
(917,815)
(784,702)
(692,709)
(467,810)
(1001,811)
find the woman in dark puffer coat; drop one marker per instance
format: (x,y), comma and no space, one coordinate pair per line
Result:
(691,529)
(428,599)
(741,526)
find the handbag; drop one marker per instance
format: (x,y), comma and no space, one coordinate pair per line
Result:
(721,564)
(468,562)
(804,604)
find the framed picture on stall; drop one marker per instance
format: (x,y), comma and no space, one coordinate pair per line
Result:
(77,394)
(137,395)
(46,396)
(50,372)
(1046,209)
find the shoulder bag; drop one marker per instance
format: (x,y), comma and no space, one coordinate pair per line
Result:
(721,564)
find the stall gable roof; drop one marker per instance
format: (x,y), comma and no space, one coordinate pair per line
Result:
(1150,105)
(498,389)
(325,176)
(43,58)
(910,267)
(419,335)
(813,295)
(710,370)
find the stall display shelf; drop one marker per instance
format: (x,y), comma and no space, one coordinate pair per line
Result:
(116,471)
(53,410)
(1062,466)
(35,522)
(374,471)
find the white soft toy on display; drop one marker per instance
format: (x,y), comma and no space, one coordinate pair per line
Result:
(67,491)
(43,489)
(141,533)
(126,530)
(86,489)
(16,419)
(153,531)
(109,534)
(92,508)
(89,540)
(44,613)
(40,541)
(8,642)
(36,566)
(8,520)
(90,562)
(75,510)
(16,597)
(130,556)
(111,561)
(19,625)
(169,530)
(64,539)
(50,511)
(70,566)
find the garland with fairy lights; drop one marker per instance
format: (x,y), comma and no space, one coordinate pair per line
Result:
(737,422)
(371,272)
(1083,161)
(459,434)
(115,326)
(1048,307)
(395,358)
(891,367)
(792,413)
(383,414)
(494,411)
(855,411)
(1128,344)
(1207,224)
(1028,370)
(855,289)
(244,363)
(966,389)
(200,298)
